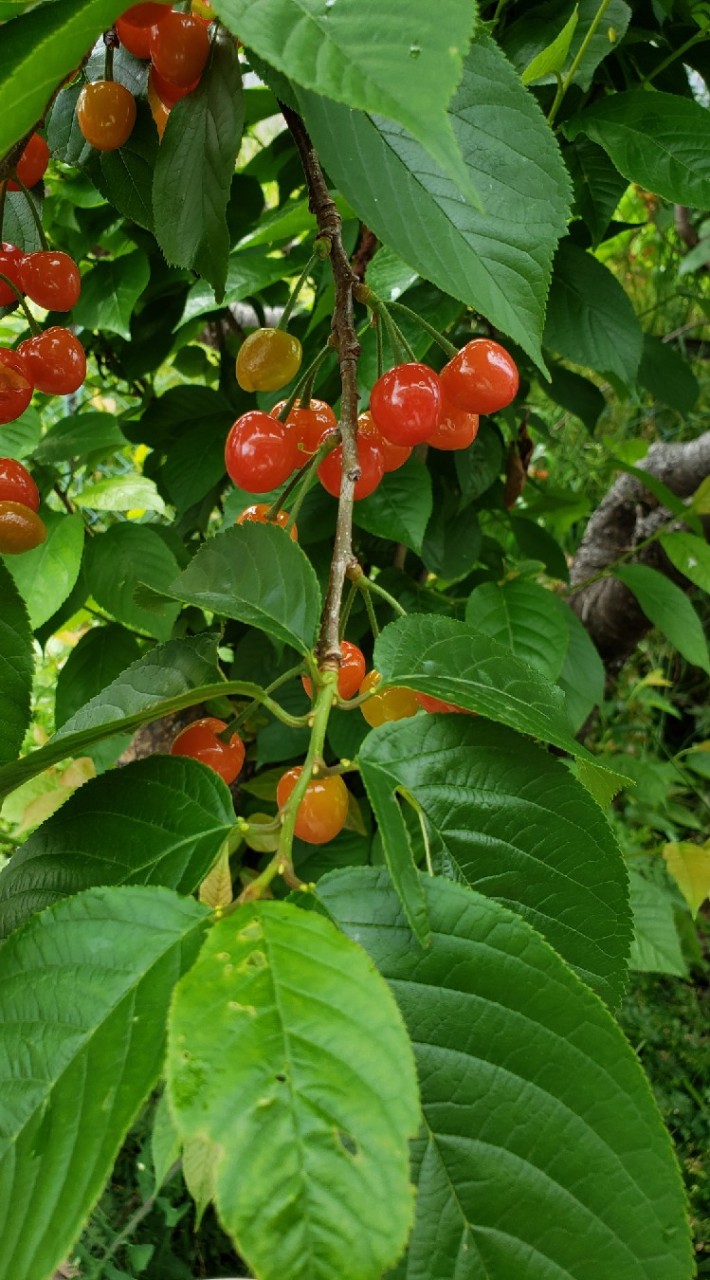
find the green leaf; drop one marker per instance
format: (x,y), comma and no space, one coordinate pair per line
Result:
(100,655)
(109,292)
(16,668)
(668,377)
(576,394)
(249,271)
(121,558)
(19,227)
(453,539)
(669,609)
(44,577)
(396,845)
(80,436)
(524,618)
(598,185)
(369,61)
(39,50)
(690,555)
(479,465)
(583,676)
(512,822)
(64,137)
(526,38)
(93,977)
(590,319)
(665,496)
(400,507)
(536,543)
(659,140)
(156,821)
(497,261)
(126,175)
(121,493)
(164,1141)
(256,575)
(689,865)
(656,945)
(542,1152)
(194,168)
(551,60)
(287,1051)
(21,437)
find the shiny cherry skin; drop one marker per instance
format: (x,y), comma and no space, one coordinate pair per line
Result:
(372,469)
(135,37)
(394,456)
(167,94)
(16,385)
(350,673)
(323,810)
(17,485)
(268,359)
(260,452)
(52,280)
(257,512)
(32,164)
(391,703)
(55,360)
(481,378)
(456,428)
(310,425)
(405,403)
(201,741)
(147,14)
(11,260)
(179,48)
(20,529)
(106,114)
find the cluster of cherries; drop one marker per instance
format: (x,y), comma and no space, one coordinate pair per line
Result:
(20,527)
(177,45)
(323,810)
(409,405)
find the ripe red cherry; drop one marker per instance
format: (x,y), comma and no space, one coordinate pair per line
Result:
(32,164)
(260,452)
(179,48)
(55,360)
(323,809)
(52,280)
(135,37)
(351,672)
(200,741)
(147,14)
(257,512)
(166,92)
(369,452)
(17,485)
(11,260)
(16,385)
(310,425)
(456,428)
(405,403)
(394,456)
(481,378)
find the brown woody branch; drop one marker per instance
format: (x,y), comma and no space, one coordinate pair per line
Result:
(346,343)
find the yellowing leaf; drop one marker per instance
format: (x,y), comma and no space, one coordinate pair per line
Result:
(689,864)
(216,888)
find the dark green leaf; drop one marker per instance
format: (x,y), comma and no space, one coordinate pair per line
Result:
(109,292)
(524,618)
(44,577)
(80,436)
(583,676)
(668,377)
(126,175)
(589,317)
(598,185)
(452,542)
(101,654)
(16,668)
(64,137)
(400,507)
(669,609)
(479,465)
(526,38)
(576,394)
(118,561)
(537,544)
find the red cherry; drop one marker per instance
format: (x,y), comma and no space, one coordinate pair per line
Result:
(394,456)
(32,164)
(323,809)
(11,260)
(456,428)
(17,485)
(481,378)
(55,360)
(147,14)
(168,93)
(257,513)
(405,403)
(435,704)
(52,280)
(351,672)
(310,425)
(16,385)
(260,452)
(135,37)
(179,48)
(369,452)
(200,741)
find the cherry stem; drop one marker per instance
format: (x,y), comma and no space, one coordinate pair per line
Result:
(28,314)
(360,579)
(380,346)
(293,298)
(347,607)
(439,338)
(305,382)
(303,475)
(238,720)
(33,210)
(109,37)
(371,615)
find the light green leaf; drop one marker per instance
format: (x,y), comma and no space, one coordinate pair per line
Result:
(689,865)
(156,821)
(248,272)
(44,577)
(524,618)
(511,821)
(16,668)
(551,60)
(669,609)
(121,493)
(287,1052)
(96,659)
(121,558)
(21,437)
(164,1141)
(590,319)
(700,501)
(400,507)
(542,1152)
(582,676)
(656,945)
(529,35)
(690,555)
(93,977)
(109,292)
(80,436)
(256,575)
(497,261)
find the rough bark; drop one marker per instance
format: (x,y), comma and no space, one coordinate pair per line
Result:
(626,517)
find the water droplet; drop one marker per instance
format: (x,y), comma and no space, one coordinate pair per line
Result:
(414,50)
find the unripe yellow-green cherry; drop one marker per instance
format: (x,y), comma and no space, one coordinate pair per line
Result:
(268,359)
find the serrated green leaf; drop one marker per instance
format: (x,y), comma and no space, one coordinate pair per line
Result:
(16,668)
(551,60)
(44,577)
(287,1052)
(19,227)
(656,945)
(582,677)
(117,561)
(97,658)
(497,261)
(669,609)
(109,292)
(112,958)
(121,493)
(590,319)
(524,618)
(80,436)
(598,185)
(690,555)
(125,176)
(542,1151)
(400,507)
(256,575)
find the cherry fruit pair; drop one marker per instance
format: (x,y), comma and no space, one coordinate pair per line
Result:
(204,740)
(50,278)
(21,529)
